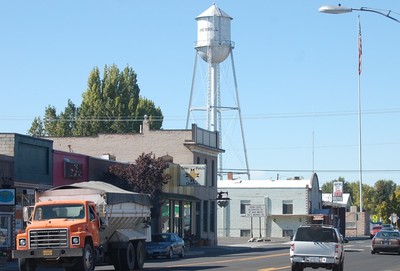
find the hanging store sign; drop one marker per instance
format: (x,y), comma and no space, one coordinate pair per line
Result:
(7,196)
(337,192)
(193,175)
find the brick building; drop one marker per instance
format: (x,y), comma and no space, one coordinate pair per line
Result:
(189,208)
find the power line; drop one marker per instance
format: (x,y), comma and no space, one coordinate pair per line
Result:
(248,117)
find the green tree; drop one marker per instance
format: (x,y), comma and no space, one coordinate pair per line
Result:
(66,126)
(385,198)
(37,127)
(353,188)
(50,121)
(109,105)
(368,195)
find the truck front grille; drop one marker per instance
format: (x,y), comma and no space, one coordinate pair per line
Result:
(54,238)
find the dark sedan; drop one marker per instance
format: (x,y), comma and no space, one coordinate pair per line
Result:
(165,244)
(386,241)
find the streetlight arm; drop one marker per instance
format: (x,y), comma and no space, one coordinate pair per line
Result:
(341,9)
(385,13)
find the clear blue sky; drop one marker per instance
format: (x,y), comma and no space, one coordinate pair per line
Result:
(296,72)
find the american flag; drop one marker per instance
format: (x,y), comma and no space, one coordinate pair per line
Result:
(359,47)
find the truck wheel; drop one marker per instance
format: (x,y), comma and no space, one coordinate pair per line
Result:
(26,264)
(86,262)
(127,257)
(140,255)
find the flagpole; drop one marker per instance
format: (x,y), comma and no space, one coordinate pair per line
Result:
(359,110)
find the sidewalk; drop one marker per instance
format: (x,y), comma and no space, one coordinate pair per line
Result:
(234,244)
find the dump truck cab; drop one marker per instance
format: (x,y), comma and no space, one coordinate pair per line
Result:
(59,231)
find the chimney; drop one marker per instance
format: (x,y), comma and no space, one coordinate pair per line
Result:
(146,124)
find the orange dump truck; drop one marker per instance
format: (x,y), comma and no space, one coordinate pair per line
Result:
(83,225)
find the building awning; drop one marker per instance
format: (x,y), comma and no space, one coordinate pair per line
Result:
(175,196)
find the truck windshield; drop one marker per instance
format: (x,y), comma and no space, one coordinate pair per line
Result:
(69,211)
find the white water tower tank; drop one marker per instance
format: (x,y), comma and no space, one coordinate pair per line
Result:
(214,35)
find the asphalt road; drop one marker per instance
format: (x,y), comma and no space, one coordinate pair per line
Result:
(238,254)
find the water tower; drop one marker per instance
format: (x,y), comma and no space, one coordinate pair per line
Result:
(214,46)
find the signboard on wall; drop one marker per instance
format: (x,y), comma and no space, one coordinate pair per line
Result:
(255,210)
(193,175)
(72,169)
(7,196)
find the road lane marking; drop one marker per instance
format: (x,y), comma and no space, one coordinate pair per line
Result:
(274,268)
(232,260)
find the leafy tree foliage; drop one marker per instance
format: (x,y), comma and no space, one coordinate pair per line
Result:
(382,199)
(145,175)
(109,105)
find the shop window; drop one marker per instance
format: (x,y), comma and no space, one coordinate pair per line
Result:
(198,219)
(207,181)
(5,231)
(187,220)
(212,217)
(177,218)
(213,175)
(205,215)
(165,217)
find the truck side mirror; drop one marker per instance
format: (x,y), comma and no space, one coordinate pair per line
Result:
(27,213)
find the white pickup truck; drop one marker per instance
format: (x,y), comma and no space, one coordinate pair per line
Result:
(317,246)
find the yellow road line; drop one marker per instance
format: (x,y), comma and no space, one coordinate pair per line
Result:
(274,268)
(231,260)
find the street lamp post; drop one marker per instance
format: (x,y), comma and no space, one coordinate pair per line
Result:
(339,9)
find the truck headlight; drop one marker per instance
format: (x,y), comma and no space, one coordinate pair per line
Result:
(22,242)
(75,240)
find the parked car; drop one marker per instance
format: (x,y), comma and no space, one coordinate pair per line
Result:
(374,230)
(387,227)
(165,244)
(386,241)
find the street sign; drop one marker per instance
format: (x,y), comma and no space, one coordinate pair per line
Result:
(394,218)
(255,210)
(374,218)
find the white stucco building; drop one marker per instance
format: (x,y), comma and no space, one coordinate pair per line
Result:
(282,206)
